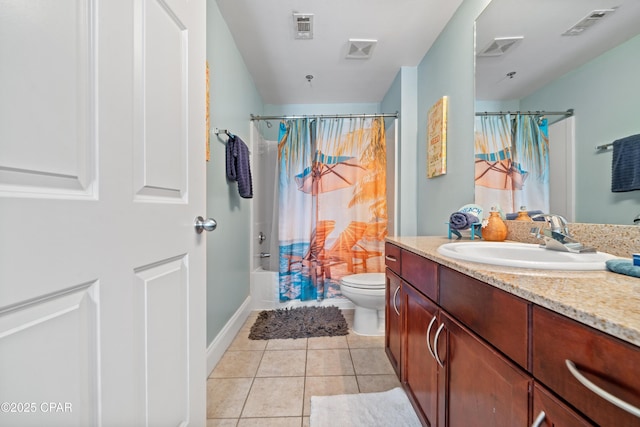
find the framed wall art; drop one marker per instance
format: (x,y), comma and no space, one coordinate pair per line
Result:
(437,139)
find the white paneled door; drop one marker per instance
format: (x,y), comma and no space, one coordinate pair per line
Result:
(102,173)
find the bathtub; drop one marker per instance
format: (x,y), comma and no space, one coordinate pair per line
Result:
(264,294)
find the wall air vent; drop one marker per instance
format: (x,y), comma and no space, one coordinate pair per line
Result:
(303,25)
(360,48)
(588,21)
(500,45)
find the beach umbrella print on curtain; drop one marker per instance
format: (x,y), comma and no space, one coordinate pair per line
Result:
(327,173)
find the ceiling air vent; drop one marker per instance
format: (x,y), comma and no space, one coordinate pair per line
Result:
(360,48)
(303,25)
(587,22)
(500,45)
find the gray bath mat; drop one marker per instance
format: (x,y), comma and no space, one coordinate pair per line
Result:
(301,322)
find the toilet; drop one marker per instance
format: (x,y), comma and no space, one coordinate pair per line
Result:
(366,291)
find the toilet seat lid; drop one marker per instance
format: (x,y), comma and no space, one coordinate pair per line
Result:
(365,280)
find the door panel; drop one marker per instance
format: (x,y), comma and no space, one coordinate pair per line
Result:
(161,102)
(162,295)
(63,384)
(102,172)
(46,115)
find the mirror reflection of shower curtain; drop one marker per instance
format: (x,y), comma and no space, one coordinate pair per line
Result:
(512,162)
(333,212)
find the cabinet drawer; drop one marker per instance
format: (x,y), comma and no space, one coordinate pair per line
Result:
(421,273)
(495,315)
(392,257)
(611,364)
(556,413)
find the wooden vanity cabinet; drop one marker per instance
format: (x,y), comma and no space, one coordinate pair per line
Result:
(609,363)
(393,319)
(473,354)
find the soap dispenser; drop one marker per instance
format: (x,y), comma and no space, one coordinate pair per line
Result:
(495,230)
(523,215)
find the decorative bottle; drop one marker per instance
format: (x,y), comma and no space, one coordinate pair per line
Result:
(523,215)
(495,230)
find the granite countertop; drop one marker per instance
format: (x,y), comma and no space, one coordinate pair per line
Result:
(606,301)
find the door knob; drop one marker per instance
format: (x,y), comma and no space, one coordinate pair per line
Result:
(202,224)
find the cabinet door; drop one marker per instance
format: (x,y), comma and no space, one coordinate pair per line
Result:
(556,413)
(419,368)
(483,387)
(393,320)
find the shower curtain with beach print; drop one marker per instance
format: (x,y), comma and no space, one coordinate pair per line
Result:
(512,162)
(333,211)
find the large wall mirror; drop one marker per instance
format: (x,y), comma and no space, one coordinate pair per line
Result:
(584,55)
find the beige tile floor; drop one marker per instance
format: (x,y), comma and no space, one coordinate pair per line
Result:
(270,382)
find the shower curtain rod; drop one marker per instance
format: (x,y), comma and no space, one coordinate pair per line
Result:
(325,116)
(567,113)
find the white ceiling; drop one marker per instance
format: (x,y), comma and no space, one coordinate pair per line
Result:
(544,54)
(405,30)
(264,34)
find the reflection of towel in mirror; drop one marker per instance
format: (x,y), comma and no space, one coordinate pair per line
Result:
(625,164)
(238,168)
(462,220)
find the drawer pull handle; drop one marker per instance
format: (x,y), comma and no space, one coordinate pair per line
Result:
(435,345)
(395,305)
(538,422)
(428,334)
(600,392)
(390,258)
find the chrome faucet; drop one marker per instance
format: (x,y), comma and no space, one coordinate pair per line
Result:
(557,236)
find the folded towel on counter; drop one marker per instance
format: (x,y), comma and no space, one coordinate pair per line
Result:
(512,216)
(625,164)
(623,266)
(462,220)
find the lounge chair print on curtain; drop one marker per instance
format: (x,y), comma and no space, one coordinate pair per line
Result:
(315,257)
(349,251)
(238,165)
(332,204)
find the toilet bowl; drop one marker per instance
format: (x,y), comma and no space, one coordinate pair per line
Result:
(366,292)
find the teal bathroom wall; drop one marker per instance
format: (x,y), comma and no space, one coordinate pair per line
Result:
(448,70)
(233,96)
(604,94)
(402,97)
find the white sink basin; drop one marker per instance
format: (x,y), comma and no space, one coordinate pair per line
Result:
(524,255)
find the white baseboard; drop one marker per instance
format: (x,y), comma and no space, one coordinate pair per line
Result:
(223,340)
